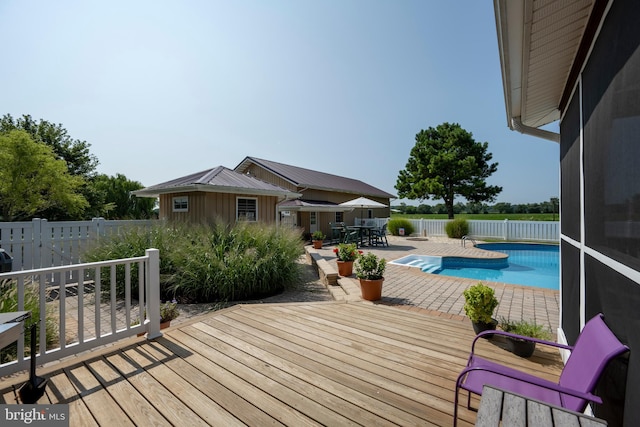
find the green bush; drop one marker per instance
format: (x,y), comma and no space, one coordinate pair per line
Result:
(395,224)
(457,228)
(9,303)
(480,301)
(204,263)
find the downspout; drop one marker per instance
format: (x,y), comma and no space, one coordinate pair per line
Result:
(516,124)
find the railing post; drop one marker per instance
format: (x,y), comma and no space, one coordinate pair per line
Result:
(153,293)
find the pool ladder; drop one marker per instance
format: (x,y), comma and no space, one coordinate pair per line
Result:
(463,242)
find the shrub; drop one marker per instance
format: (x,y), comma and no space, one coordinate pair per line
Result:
(526,328)
(318,235)
(347,251)
(370,267)
(457,228)
(220,262)
(395,224)
(480,301)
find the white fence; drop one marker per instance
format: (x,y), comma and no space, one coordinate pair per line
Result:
(41,244)
(82,314)
(537,231)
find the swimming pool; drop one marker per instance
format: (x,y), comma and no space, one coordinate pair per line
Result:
(527,264)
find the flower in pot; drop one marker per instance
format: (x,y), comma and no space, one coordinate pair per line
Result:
(347,254)
(168,312)
(370,270)
(317,237)
(480,302)
(522,347)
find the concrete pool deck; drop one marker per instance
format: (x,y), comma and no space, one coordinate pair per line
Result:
(411,289)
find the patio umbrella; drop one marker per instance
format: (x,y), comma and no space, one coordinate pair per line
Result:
(362,203)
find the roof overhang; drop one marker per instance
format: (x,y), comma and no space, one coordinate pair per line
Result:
(299,205)
(538,42)
(215,189)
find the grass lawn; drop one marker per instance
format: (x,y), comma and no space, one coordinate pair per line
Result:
(487,217)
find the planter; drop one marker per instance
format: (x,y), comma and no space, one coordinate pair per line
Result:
(317,244)
(371,289)
(520,347)
(345,268)
(165,325)
(481,327)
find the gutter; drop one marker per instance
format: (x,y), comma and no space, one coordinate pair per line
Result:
(516,124)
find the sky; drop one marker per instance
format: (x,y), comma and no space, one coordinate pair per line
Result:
(162,89)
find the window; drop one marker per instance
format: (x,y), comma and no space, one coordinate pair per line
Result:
(339,217)
(181,204)
(247,209)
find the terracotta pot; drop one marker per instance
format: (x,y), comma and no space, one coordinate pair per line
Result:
(371,289)
(165,325)
(345,268)
(317,244)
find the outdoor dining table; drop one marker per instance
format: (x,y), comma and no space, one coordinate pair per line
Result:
(363,230)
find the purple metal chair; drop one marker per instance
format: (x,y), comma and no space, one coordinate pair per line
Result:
(595,347)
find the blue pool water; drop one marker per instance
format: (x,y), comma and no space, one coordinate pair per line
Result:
(527,264)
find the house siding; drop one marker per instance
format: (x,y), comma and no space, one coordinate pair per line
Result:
(600,189)
(212,207)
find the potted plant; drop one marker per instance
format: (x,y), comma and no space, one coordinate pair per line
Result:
(347,254)
(480,302)
(317,237)
(168,312)
(521,347)
(370,270)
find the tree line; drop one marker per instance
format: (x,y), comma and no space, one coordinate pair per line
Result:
(551,206)
(46,173)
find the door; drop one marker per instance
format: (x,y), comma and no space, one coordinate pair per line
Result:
(313,222)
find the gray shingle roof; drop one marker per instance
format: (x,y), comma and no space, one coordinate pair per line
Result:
(302,177)
(219,179)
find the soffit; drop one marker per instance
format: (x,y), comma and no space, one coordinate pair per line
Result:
(538,42)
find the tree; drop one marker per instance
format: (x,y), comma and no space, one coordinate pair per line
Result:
(33,180)
(118,202)
(447,162)
(73,151)
(79,161)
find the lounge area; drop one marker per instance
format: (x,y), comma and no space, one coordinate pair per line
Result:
(281,364)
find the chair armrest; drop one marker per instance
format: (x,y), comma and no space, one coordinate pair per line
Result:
(509,334)
(533,381)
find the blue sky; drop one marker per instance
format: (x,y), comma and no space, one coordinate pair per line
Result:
(161,89)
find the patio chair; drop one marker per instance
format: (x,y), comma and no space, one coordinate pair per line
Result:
(595,347)
(379,236)
(352,236)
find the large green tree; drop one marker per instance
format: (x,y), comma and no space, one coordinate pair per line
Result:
(447,162)
(33,180)
(79,161)
(118,202)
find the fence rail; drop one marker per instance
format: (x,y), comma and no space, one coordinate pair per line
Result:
(41,244)
(535,231)
(88,313)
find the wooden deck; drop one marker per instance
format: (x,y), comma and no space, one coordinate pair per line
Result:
(291,364)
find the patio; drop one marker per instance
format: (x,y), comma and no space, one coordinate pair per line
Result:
(412,289)
(279,364)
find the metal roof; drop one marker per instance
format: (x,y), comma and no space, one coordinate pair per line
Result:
(538,41)
(307,178)
(220,180)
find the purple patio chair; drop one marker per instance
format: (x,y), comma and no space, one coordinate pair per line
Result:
(595,347)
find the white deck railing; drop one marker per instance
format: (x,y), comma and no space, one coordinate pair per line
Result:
(84,315)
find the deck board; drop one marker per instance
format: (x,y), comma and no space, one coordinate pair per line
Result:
(298,364)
